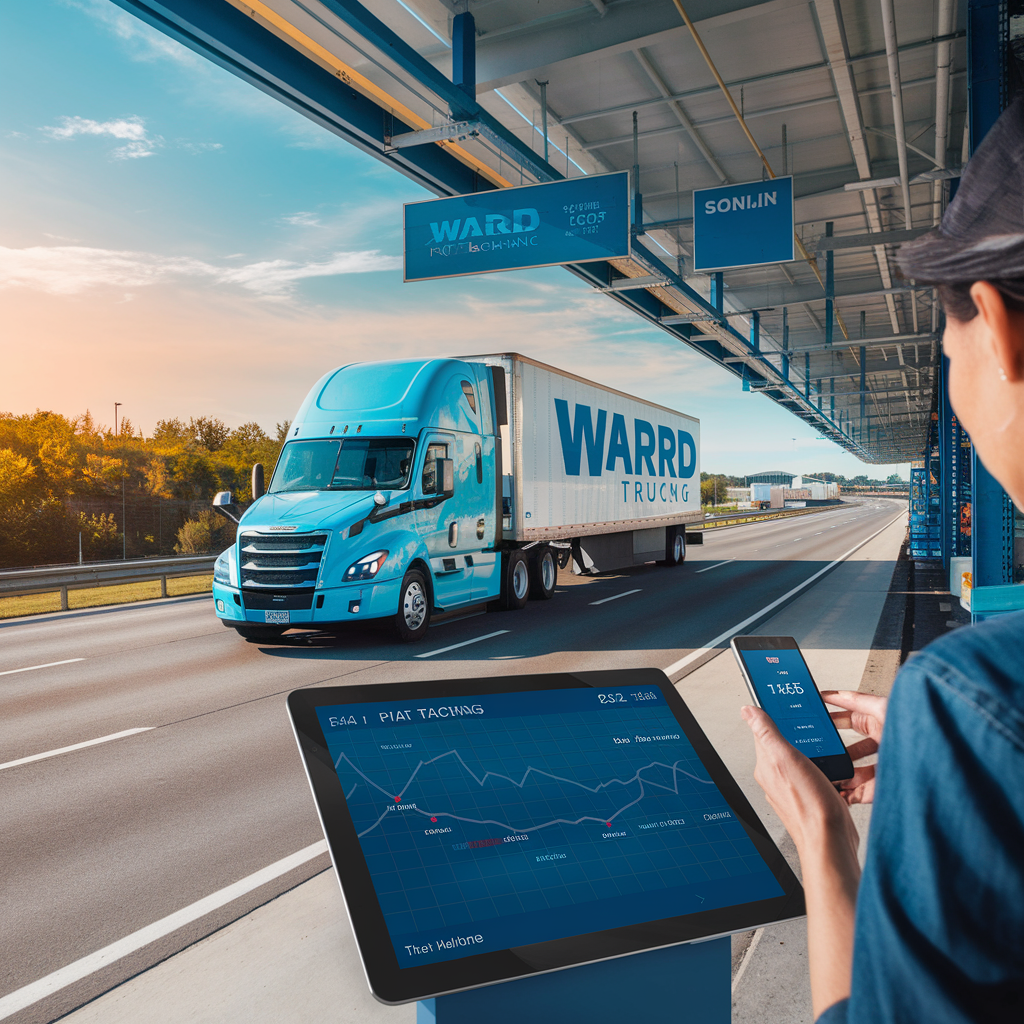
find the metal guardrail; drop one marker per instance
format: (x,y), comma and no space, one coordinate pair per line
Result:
(18,582)
(757,517)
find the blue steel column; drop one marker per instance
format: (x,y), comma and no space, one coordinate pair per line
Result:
(755,331)
(807,376)
(830,286)
(991,513)
(785,343)
(718,291)
(464,53)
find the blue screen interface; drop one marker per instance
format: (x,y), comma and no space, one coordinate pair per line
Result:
(785,690)
(502,820)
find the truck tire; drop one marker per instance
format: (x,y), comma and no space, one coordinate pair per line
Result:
(515,580)
(675,546)
(413,615)
(543,574)
(260,633)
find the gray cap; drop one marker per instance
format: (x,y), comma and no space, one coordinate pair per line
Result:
(981,237)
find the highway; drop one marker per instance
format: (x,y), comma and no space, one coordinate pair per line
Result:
(101,841)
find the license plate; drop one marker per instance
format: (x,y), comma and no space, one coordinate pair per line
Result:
(276,616)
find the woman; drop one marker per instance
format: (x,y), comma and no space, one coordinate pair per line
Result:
(936,932)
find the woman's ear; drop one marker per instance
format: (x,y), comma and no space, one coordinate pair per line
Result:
(1004,330)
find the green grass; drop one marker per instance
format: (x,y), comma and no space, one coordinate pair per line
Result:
(36,604)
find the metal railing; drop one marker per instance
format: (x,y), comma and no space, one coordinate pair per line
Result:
(18,582)
(739,518)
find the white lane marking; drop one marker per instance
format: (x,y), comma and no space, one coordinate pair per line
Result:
(17,1000)
(677,666)
(819,533)
(465,643)
(615,597)
(716,565)
(75,746)
(747,957)
(797,541)
(32,668)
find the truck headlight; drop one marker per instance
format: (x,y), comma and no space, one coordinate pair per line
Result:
(224,567)
(366,568)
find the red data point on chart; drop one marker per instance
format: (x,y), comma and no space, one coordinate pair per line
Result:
(433,819)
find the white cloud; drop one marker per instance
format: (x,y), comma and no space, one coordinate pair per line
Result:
(138,142)
(303,219)
(144,42)
(71,270)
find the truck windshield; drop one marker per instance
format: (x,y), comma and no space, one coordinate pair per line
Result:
(355,464)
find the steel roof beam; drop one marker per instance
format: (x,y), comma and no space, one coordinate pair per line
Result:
(521,52)
(837,53)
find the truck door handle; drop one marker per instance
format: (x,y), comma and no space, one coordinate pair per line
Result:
(480,525)
(453,534)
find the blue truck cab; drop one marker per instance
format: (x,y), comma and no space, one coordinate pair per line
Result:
(385,503)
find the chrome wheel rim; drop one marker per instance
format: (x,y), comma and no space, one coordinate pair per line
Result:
(677,548)
(520,580)
(414,606)
(547,571)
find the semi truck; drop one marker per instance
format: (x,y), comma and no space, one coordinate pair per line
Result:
(410,488)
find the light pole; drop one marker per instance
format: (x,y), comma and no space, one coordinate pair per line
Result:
(124,524)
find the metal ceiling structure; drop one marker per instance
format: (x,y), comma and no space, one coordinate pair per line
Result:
(863,104)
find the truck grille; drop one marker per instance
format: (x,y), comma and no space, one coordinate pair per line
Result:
(281,562)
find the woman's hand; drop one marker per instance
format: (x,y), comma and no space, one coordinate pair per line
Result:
(797,790)
(864,713)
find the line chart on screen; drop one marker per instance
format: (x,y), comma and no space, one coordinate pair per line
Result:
(481,780)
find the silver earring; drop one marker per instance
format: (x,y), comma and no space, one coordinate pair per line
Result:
(1002,373)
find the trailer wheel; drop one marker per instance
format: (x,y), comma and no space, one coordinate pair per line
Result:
(543,575)
(515,580)
(260,633)
(675,546)
(413,615)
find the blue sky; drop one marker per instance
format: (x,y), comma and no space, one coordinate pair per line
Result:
(175,240)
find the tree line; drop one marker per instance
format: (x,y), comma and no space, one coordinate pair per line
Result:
(68,483)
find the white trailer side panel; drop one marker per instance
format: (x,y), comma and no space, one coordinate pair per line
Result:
(586,459)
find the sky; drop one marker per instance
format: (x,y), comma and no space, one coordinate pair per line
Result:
(174,240)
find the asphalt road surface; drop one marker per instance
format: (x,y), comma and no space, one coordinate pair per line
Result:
(101,841)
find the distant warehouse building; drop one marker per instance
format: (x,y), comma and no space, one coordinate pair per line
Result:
(777,489)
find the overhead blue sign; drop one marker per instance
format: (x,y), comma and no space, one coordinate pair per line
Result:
(572,221)
(743,225)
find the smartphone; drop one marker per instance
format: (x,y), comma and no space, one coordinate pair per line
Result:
(780,683)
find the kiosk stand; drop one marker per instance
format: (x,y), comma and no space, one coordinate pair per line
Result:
(685,984)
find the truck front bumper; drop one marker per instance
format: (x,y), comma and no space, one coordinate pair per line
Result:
(369,600)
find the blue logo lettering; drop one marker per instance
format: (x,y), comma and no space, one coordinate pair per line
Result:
(644,449)
(573,436)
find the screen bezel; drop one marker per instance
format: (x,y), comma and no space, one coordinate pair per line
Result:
(392,984)
(837,767)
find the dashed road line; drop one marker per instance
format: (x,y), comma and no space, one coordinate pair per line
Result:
(75,746)
(615,597)
(465,643)
(716,565)
(32,668)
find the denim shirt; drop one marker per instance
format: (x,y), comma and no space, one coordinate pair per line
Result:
(940,912)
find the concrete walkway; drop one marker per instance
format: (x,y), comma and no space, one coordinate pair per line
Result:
(293,959)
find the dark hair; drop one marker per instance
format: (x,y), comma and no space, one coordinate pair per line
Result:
(958,304)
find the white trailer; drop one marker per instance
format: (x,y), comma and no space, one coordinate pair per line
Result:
(586,469)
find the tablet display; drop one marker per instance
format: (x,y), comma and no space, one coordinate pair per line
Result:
(489,821)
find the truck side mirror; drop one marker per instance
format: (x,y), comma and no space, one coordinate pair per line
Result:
(258,488)
(442,480)
(446,476)
(224,505)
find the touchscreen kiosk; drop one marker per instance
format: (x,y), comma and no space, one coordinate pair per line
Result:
(487,829)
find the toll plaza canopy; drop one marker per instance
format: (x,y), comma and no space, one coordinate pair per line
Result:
(864,106)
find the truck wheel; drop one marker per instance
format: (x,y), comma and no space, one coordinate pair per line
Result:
(413,616)
(515,580)
(543,575)
(264,633)
(675,546)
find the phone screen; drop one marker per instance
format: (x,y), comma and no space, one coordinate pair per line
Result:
(787,692)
